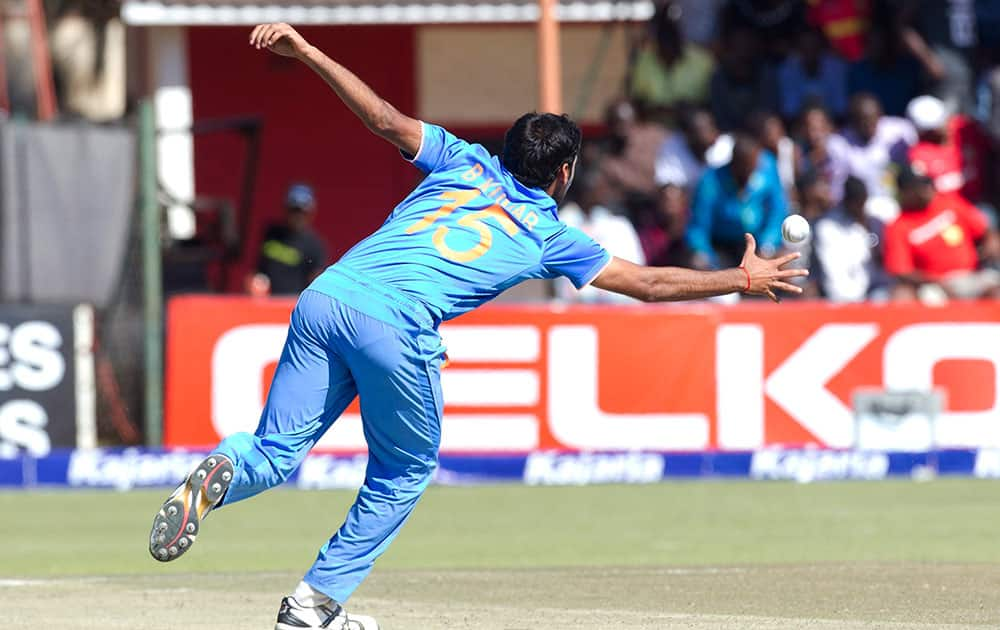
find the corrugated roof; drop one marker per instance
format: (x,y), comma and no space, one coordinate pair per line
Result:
(221,13)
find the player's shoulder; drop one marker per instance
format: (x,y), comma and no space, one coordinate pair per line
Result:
(554,230)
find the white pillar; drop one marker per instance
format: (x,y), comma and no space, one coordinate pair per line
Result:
(168,72)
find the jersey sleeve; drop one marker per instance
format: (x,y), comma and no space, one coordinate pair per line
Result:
(437,147)
(573,254)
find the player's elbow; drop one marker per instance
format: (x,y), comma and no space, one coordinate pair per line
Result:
(384,121)
(649,290)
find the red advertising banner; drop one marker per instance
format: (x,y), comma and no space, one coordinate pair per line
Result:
(668,378)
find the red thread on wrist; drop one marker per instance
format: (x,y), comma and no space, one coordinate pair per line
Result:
(748,278)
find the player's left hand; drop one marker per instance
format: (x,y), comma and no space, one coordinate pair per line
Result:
(279,38)
(769,275)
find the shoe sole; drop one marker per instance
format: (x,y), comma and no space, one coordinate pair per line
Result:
(176,525)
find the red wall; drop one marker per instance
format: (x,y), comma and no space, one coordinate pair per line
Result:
(308,135)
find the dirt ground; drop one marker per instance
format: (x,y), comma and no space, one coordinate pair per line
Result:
(842,596)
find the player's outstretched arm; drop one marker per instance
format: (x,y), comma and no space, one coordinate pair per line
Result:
(666,284)
(378,115)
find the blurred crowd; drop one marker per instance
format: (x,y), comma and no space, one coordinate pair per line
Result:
(876,120)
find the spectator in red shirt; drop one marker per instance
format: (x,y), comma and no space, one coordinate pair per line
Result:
(844,22)
(931,247)
(952,150)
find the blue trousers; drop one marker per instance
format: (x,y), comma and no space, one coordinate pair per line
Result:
(334,352)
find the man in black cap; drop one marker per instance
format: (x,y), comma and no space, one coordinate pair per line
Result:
(292,254)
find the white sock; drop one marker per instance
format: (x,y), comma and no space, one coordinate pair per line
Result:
(308,597)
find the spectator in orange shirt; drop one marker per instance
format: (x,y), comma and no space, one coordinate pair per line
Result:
(930,249)
(952,150)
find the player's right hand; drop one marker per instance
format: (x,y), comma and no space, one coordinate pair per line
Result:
(769,275)
(279,38)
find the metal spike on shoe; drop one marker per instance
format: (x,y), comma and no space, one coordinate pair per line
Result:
(176,525)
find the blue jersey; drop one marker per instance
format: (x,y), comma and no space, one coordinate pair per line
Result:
(464,235)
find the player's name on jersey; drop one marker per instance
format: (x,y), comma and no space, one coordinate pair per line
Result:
(493,189)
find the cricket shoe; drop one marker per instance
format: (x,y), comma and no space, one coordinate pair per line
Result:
(176,525)
(332,616)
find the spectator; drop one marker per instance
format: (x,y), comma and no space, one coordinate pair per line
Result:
(662,237)
(886,71)
(669,71)
(595,217)
(952,150)
(815,197)
(742,196)
(941,35)
(770,133)
(823,151)
(684,156)
(845,24)
(931,246)
(875,144)
(630,154)
(743,82)
(292,254)
(87,44)
(812,75)
(846,250)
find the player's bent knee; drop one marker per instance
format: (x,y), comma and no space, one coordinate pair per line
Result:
(420,475)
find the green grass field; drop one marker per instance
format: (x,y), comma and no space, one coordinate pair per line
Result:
(685,555)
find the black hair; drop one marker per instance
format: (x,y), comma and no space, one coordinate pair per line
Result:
(665,26)
(815,106)
(744,144)
(854,189)
(807,179)
(688,114)
(537,145)
(864,97)
(910,176)
(756,121)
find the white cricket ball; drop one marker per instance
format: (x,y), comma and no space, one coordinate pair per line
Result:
(795,228)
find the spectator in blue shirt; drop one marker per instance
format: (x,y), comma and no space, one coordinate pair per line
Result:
(812,75)
(744,195)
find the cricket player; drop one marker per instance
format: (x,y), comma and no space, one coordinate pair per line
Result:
(367,326)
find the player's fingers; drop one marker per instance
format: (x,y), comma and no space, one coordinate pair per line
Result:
(276,33)
(772,295)
(253,34)
(787,288)
(258,33)
(264,34)
(791,273)
(787,258)
(751,243)
(265,40)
